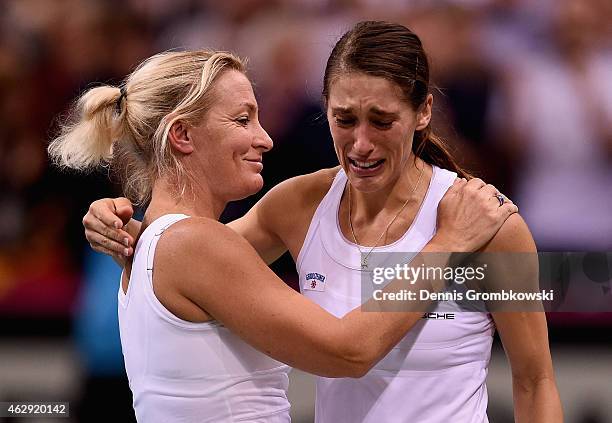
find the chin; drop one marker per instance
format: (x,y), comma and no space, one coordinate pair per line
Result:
(250,186)
(367,184)
(257,184)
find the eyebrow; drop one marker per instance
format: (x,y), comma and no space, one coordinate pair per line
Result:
(252,107)
(375,110)
(380,112)
(341,109)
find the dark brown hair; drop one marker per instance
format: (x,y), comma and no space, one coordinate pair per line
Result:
(393,52)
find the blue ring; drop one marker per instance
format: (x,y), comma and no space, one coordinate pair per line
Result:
(501,199)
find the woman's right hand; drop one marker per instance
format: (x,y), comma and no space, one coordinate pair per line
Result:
(108,228)
(469,215)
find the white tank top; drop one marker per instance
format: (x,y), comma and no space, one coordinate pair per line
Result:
(437,372)
(186,372)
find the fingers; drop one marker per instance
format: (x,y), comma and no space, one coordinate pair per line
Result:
(107,245)
(489,190)
(120,259)
(470,188)
(102,233)
(96,225)
(457,185)
(123,209)
(488,197)
(508,209)
(475,184)
(507,200)
(104,210)
(459,182)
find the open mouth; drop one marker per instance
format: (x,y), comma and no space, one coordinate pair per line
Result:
(367,166)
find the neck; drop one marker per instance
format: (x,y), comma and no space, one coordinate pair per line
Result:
(368,205)
(195,201)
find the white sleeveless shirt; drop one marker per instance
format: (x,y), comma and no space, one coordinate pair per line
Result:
(437,372)
(187,372)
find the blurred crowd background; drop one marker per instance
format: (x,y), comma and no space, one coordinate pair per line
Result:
(523,94)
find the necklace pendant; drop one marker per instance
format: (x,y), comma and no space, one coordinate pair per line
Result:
(364,263)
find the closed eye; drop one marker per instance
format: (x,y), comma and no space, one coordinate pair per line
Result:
(344,121)
(382,124)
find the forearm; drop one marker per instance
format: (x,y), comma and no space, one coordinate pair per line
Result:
(352,345)
(537,400)
(349,347)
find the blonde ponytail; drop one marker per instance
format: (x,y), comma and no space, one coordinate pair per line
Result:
(86,141)
(129,129)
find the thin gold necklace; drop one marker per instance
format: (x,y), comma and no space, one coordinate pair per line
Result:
(364,259)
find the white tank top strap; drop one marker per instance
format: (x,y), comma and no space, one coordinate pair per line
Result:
(156,229)
(336,189)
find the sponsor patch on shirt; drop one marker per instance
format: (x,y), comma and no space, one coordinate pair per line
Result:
(314,282)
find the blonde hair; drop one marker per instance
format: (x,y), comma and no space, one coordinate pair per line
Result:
(128,127)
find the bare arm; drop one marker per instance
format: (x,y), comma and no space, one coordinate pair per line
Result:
(224,276)
(525,339)
(235,287)
(106,233)
(280,220)
(286,209)
(255,228)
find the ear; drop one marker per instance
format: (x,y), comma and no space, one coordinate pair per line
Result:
(180,137)
(423,116)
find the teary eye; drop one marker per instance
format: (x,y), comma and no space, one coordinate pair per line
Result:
(383,124)
(344,121)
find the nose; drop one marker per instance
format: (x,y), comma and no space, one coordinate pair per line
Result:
(262,140)
(363,145)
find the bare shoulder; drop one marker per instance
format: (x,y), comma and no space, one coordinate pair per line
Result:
(513,236)
(196,251)
(198,236)
(191,257)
